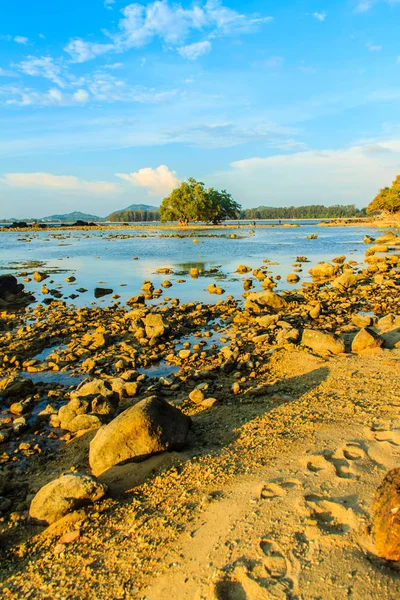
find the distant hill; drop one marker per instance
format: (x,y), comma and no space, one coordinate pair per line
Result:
(73,216)
(135,212)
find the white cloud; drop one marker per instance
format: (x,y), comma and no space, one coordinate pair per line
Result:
(363,6)
(81,96)
(194,51)
(158,182)
(168,21)
(320,16)
(44,66)
(109,4)
(373,47)
(20,39)
(81,51)
(58,182)
(344,176)
(21,96)
(113,66)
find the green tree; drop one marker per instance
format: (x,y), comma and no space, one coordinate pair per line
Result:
(387,199)
(191,201)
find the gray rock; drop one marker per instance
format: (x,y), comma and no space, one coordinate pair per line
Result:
(64,495)
(149,427)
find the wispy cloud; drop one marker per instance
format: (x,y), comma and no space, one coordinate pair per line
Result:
(319,16)
(81,51)
(373,47)
(57,182)
(20,39)
(44,66)
(170,22)
(363,6)
(109,4)
(343,175)
(158,182)
(194,51)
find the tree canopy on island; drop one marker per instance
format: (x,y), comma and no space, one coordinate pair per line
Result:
(310,211)
(387,200)
(191,201)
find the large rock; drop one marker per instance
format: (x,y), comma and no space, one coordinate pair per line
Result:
(322,342)
(155,325)
(346,281)
(366,339)
(324,271)
(264,300)
(386,517)
(16,387)
(12,293)
(149,427)
(64,495)
(360,320)
(94,387)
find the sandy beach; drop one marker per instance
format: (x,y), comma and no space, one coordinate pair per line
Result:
(293,399)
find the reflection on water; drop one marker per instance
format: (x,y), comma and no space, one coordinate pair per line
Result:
(107,256)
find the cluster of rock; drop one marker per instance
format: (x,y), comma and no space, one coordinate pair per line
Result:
(345,309)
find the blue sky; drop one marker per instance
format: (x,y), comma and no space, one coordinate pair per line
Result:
(108,103)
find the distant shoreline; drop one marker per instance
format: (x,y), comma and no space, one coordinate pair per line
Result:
(259,223)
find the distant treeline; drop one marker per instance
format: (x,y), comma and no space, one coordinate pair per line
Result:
(134,216)
(313,211)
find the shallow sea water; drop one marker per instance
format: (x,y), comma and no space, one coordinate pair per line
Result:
(99,258)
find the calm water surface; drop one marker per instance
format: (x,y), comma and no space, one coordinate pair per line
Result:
(100,258)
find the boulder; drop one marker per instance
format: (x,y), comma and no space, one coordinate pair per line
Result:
(150,427)
(388,322)
(366,339)
(214,289)
(267,320)
(16,387)
(386,238)
(64,495)
(94,387)
(322,342)
(100,292)
(292,278)
(386,517)
(93,341)
(155,325)
(37,276)
(346,281)
(196,396)
(12,293)
(243,269)
(140,300)
(324,271)
(269,300)
(315,311)
(362,320)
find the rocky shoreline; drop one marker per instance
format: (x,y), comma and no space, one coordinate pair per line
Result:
(162,372)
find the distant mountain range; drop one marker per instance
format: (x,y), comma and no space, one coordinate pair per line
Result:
(135,212)
(80,216)
(138,207)
(73,216)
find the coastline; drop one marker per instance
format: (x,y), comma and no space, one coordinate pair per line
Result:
(276,440)
(367,222)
